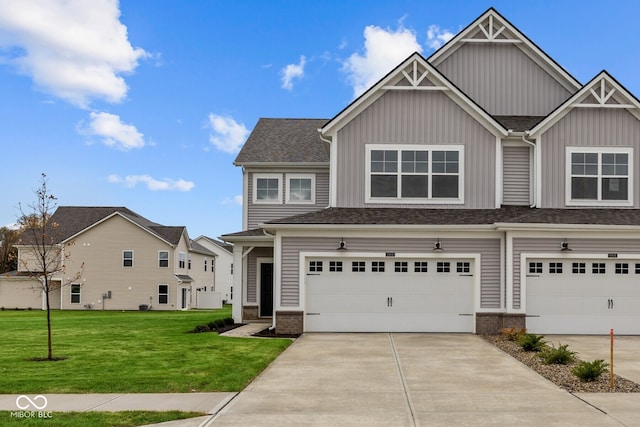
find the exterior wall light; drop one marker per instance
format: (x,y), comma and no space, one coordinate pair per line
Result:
(564,246)
(437,247)
(342,246)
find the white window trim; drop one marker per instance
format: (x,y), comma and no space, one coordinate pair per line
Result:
(312,177)
(256,177)
(414,200)
(600,150)
(160,259)
(132,258)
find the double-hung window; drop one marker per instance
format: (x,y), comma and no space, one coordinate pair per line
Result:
(267,188)
(301,189)
(127,258)
(414,174)
(75,293)
(163,259)
(599,176)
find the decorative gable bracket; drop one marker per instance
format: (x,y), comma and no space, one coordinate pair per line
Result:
(415,78)
(492,33)
(602,98)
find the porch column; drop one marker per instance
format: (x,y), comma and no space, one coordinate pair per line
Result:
(238,283)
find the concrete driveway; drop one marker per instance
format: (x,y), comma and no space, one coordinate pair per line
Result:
(403,380)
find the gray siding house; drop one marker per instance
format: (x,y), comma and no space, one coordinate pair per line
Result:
(479,188)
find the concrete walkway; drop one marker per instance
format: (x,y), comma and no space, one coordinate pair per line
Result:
(390,380)
(403,380)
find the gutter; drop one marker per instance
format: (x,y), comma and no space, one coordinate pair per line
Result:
(535,167)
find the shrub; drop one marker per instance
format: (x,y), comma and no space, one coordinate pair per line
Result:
(212,325)
(557,356)
(201,328)
(219,323)
(590,371)
(512,334)
(532,342)
(228,321)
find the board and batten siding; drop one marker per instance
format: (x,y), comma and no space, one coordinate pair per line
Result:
(421,118)
(551,245)
(503,80)
(516,176)
(488,248)
(587,127)
(258,213)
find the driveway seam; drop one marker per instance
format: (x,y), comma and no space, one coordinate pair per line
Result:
(405,387)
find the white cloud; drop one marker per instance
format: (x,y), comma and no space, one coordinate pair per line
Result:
(153,184)
(236,200)
(227,135)
(73,49)
(291,72)
(383,50)
(436,37)
(113,132)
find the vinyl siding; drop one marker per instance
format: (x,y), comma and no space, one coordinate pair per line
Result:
(516,179)
(488,248)
(589,127)
(260,213)
(100,249)
(252,272)
(416,117)
(503,80)
(597,246)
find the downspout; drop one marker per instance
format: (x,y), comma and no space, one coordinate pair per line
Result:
(535,178)
(331,165)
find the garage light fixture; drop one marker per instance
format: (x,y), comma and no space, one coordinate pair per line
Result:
(342,246)
(564,246)
(438,246)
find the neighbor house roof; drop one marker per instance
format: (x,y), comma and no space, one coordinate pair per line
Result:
(284,141)
(71,220)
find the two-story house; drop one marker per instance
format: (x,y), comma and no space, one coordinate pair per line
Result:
(223,278)
(112,258)
(479,188)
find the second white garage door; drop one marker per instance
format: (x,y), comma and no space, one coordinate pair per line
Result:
(583,296)
(389,295)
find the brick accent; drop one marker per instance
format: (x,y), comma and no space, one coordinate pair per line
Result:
(249,312)
(289,322)
(491,323)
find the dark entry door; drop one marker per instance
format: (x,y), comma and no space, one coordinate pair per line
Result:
(266,289)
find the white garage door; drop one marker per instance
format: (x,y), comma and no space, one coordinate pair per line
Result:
(583,296)
(383,295)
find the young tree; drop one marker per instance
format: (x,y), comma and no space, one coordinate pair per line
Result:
(45,252)
(8,252)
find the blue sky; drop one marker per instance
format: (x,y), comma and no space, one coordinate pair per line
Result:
(145,103)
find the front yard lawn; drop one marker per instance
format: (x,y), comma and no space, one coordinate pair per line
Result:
(127,352)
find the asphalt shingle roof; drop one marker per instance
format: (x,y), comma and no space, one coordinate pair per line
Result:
(285,141)
(414,216)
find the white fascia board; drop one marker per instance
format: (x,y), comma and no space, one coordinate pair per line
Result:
(575,232)
(308,229)
(574,101)
(407,233)
(540,58)
(449,89)
(279,165)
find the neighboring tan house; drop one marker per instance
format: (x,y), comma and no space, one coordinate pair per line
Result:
(478,188)
(223,282)
(125,262)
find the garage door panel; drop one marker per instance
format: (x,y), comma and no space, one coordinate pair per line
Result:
(583,301)
(409,300)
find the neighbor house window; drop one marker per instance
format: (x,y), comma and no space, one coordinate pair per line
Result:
(163,294)
(127,258)
(267,188)
(301,189)
(163,259)
(75,293)
(182,257)
(231,268)
(189,262)
(599,176)
(415,174)
(205,265)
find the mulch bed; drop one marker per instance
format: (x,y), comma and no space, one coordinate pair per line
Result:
(561,374)
(266,333)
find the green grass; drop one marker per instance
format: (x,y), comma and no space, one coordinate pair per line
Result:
(96,419)
(127,352)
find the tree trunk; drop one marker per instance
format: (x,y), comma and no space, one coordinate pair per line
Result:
(49,346)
